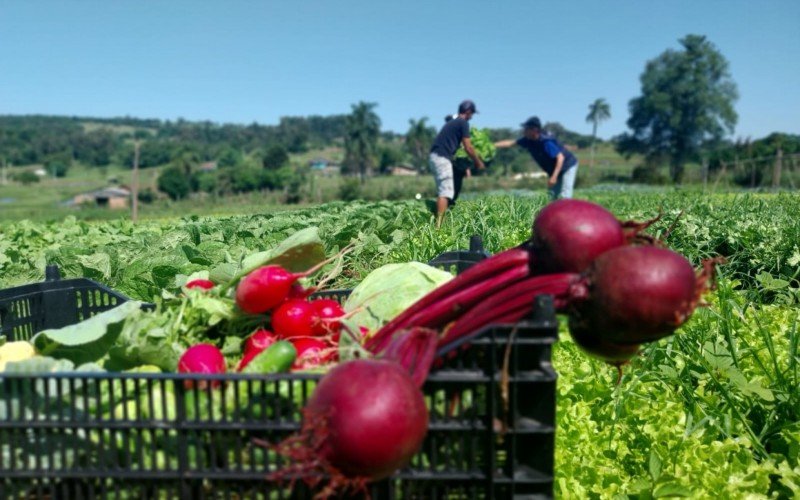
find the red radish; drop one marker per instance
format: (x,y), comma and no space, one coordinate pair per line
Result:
(327,311)
(298,292)
(265,288)
(312,352)
(202,358)
(259,340)
(254,345)
(569,234)
(294,318)
(200,284)
(365,420)
(247,357)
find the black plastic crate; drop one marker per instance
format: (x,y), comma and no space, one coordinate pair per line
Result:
(123,435)
(53,303)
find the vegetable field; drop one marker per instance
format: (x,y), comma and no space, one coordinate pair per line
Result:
(711,411)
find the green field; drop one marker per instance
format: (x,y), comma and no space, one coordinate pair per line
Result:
(45,200)
(713,411)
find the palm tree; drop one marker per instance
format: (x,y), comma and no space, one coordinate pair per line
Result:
(599,111)
(362,128)
(418,141)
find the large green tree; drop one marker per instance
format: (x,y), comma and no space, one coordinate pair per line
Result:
(687,99)
(418,141)
(599,111)
(362,129)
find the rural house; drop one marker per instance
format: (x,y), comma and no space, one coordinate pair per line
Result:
(324,167)
(110,197)
(403,169)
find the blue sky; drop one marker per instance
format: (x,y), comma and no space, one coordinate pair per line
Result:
(246,61)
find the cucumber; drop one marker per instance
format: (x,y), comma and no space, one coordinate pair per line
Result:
(276,358)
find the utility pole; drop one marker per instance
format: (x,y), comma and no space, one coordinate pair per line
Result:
(135,183)
(776,170)
(705,174)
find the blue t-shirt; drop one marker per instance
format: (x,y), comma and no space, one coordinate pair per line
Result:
(544,152)
(449,139)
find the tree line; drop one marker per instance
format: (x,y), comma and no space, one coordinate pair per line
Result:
(685,114)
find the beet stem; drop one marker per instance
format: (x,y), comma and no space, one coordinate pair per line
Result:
(511,302)
(442,304)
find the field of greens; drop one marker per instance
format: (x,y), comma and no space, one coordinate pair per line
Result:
(711,411)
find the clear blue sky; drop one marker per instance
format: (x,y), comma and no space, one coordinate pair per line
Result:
(245,61)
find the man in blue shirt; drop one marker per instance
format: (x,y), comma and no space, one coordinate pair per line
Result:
(453,134)
(559,163)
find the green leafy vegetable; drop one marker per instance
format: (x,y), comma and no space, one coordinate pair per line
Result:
(88,340)
(390,289)
(299,252)
(482,144)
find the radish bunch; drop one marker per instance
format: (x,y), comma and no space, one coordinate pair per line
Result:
(313,327)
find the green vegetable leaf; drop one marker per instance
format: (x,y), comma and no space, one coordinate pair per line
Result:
(87,340)
(195,256)
(145,339)
(654,465)
(481,142)
(299,252)
(671,489)
(389,290)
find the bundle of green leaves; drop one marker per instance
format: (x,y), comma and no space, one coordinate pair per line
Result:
(482,143)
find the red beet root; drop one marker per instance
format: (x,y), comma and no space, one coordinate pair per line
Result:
(614,354)
(365,420)
(569,234)
(637,294)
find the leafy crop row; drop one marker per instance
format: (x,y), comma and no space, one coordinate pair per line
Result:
(713,411)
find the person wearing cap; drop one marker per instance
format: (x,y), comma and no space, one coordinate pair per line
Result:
(557,161)
(453,134)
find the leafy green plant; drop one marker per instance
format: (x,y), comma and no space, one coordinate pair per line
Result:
(481,142)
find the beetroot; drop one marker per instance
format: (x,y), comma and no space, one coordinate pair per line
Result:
(365,420)
(611,353)
(414,350)
(637,294)
(569,234)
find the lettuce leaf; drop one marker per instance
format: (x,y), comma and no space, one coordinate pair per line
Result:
(389,290)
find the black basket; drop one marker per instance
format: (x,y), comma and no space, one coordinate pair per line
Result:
(126,435)
(54,303)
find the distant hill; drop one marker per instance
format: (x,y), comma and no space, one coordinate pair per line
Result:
(42,139)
